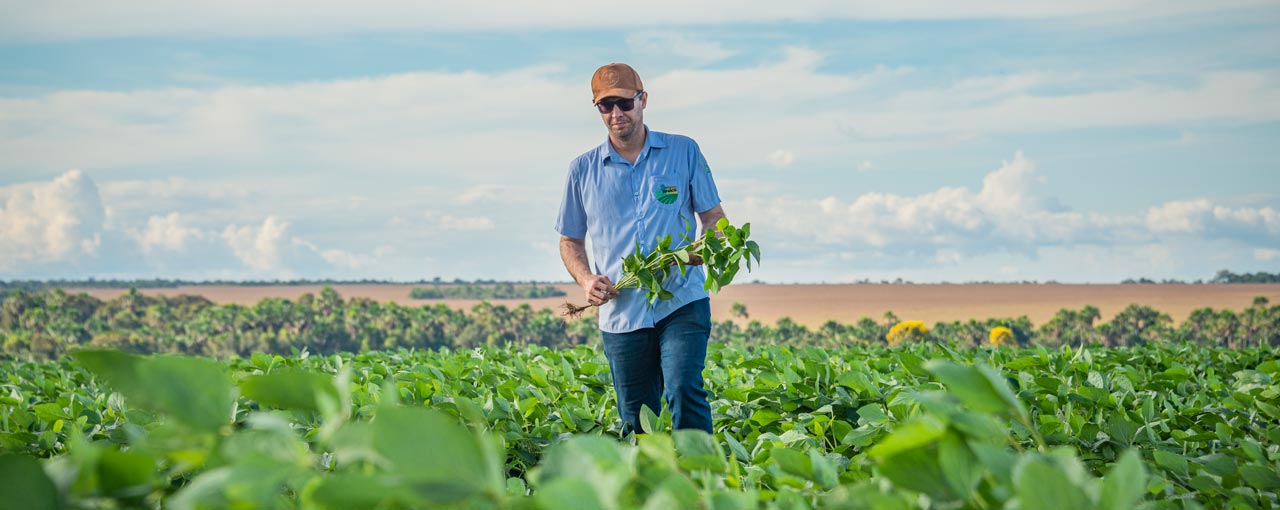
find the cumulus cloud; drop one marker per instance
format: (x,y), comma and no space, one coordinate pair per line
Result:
(1012,211)
(50,222)
(165,232)
(1009,211)
(1201,217)
(258,247)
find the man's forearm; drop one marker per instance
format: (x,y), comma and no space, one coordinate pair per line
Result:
(709,217)
(574,254)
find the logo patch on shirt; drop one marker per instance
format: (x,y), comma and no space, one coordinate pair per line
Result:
(667,194)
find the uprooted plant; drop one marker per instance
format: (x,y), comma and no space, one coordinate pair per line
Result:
(721,249)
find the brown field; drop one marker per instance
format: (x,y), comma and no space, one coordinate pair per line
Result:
(812,305)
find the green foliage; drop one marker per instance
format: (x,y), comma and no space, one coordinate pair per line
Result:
(723,250)
(53,323)
(1225,276)
(914,427)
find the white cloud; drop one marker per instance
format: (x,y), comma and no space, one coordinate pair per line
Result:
(260,247)
(782,158)
(50,222)
(1201,217)
(1009,211)
(340,258)
(58,20)
(1012,211)
(1266,254)
(866,166)
(434,125)
(676,44)
(167,232)
(466,223)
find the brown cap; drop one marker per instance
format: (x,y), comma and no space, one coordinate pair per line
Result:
(615,80)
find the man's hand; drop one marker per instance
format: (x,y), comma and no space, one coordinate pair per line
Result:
(598,289)
(708,218)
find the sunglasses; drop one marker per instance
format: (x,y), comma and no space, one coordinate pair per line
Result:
(626,105)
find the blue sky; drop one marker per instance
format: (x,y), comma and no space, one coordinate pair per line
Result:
(1092,141)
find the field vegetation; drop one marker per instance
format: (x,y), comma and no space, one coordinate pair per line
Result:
(48,324)
(919,426)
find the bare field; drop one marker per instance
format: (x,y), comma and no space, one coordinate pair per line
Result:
(813,305)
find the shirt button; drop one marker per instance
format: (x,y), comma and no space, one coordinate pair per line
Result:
(636,193)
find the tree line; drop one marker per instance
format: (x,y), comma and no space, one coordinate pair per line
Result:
(169,283)
(51,323)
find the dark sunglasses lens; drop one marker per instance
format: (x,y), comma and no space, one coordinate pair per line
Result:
(623,104)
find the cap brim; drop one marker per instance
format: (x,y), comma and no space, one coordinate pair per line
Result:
(624,93)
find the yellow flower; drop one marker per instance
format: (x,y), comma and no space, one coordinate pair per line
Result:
(1001,335)
(907,331)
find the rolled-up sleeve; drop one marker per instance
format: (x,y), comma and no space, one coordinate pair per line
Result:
(705,196)
(573,216)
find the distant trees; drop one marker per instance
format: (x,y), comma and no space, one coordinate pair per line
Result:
(1225,276)
(51,323)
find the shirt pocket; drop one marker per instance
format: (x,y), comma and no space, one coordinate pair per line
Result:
(668,192)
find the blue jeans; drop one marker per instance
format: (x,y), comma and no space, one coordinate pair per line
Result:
(664,361)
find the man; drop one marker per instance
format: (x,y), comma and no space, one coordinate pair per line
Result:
(636,187)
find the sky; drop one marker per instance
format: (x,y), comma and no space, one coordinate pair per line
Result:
(932,141)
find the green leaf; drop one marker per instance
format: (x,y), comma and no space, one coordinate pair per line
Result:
(648,420)
(872,414)
(1172,463)
(569,493)
(979,387)
(765,416)
(194,391)
(736,447)
(50,412)
(913,434)
(824,472)
(25,485)
(290,389)
(698,450)
(125,473)
(1123,486)
(722,224)
(416,440)
(352,491)
(583,472)
(793,462)
(1260,477)
(1025,363)
(918,470)
(958,466)
(1043,486)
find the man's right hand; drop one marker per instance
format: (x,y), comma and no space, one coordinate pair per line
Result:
(598,289)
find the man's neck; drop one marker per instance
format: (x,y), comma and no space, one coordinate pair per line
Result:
(630,149)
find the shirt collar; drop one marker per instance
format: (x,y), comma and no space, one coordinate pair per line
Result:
(654,140)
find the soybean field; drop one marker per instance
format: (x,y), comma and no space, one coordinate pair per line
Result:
(929,425)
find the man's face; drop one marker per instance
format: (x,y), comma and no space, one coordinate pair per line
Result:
(624,125)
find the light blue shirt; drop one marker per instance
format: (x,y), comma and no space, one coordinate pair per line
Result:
(617,204)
